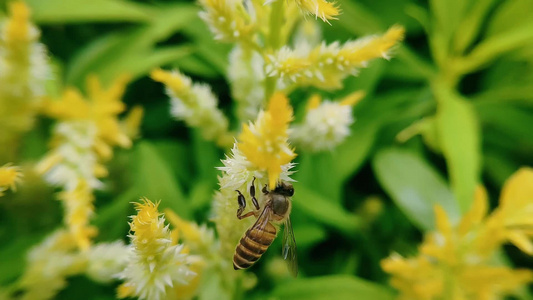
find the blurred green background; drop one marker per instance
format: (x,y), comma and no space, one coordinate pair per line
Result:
(452,108)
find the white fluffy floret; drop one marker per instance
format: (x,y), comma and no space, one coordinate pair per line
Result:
(324,127)
(77,160)
(106,260)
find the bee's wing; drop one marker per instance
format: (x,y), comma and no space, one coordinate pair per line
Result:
(289,248)
(262,221)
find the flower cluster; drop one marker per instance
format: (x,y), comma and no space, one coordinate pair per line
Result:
(264,143)
(155,265)
(49,264)
(262,153)
(195,104)
(23,72)
(9,176)
(456,262)
(83,138)
(326,124)
(326,66)
(246,68)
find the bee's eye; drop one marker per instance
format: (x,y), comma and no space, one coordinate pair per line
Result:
(290,191)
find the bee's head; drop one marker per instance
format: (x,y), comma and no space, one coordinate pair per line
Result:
(284,188)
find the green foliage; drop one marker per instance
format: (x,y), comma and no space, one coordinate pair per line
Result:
(334,286)
(465,71)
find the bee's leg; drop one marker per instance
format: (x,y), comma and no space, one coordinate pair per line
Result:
(248,214)
(242,204)
(265,189)
(252,193)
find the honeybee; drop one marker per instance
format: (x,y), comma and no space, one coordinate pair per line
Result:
(258,238)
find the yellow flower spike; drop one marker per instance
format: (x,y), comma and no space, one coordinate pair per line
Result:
(195,104)
(456,262)
(264,143)
(132,122)
(518,189)
(146,220)
(313,102)
(442,222)
(357,53)
(353,98)
(9,176)
(18,27)
(513,219)
(24,70)
(190,231)
(325,66)
(78,210)
(320,8)
(477,213)
(71,105)
(156,265)
(227,19)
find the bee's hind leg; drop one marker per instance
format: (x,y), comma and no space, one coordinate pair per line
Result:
(242,205)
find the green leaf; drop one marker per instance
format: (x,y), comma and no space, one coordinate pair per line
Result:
(138,64)
(495,46)
(209,50)
(176,156)
(459,138)
(323,210)
(201,194)
(447,14)
(133,51)
(309,234)
(358,19)
(194,65)
(414,186)
(471,26)
(112,219)
(353,152)
(332,287)
(13,256)
(79,11)
(499,166)
(154,180)
(206,156)
(368,80)
(508,15)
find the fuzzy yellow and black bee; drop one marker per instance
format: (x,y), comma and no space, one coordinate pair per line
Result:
(257,239)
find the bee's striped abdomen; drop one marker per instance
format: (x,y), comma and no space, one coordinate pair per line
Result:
(252,245)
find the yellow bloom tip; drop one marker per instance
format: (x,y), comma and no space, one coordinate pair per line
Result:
(124,291)
(279,104)
(395,34)
(146,214)
(313,102)
(322,9)
(9,176)
(19,10)
(266,145)
(353,98)
(159,75)
(441,219)
(18,27)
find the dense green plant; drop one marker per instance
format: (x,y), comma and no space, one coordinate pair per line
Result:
(451,110)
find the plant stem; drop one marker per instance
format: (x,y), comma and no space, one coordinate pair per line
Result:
(274,42)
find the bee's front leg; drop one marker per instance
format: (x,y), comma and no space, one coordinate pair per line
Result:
(252,193)
(242,205)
